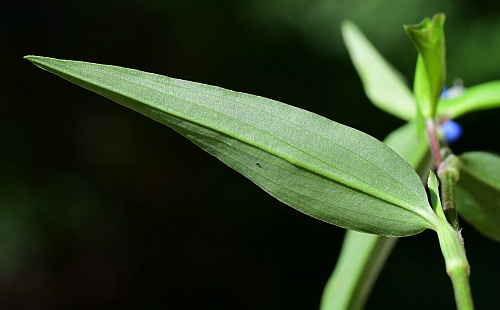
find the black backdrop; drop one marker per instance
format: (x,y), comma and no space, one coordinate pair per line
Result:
(103,208)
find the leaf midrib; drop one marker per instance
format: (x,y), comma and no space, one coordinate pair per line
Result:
(301,164)
(322,176)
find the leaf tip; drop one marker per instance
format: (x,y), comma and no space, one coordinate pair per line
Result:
(346,23)
(37,59)
(347,26)
(33,59)
(29,57)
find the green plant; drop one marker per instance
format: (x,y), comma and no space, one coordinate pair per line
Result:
(333,172)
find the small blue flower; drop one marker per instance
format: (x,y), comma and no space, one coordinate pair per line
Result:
(455,91)
(452,131)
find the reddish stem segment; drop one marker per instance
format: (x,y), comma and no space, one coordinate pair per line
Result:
(430,127)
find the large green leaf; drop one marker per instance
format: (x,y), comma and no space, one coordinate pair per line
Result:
(479,97)
(321,168)
(383,85)
(478,192)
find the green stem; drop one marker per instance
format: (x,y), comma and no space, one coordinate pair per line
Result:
(448,175)
(449,233)
(457,266)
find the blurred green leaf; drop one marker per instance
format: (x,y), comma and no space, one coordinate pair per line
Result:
(428,37)
(358,266)
(479,97)
(478,192)
(383,85)
(321,168)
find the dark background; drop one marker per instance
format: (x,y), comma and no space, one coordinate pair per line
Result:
(102,208)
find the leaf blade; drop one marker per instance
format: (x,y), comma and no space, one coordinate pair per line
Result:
(278,147)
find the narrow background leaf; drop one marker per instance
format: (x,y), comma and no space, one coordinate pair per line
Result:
(479,97)
(384,85)
(321,168)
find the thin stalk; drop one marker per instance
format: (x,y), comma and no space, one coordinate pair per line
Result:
(430,127)
(457,266)
(449,233)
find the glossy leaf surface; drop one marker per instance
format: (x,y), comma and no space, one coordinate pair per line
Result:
(383,85)
(478,192)
(321,168)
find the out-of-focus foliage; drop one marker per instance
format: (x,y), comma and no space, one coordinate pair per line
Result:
(383,85)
